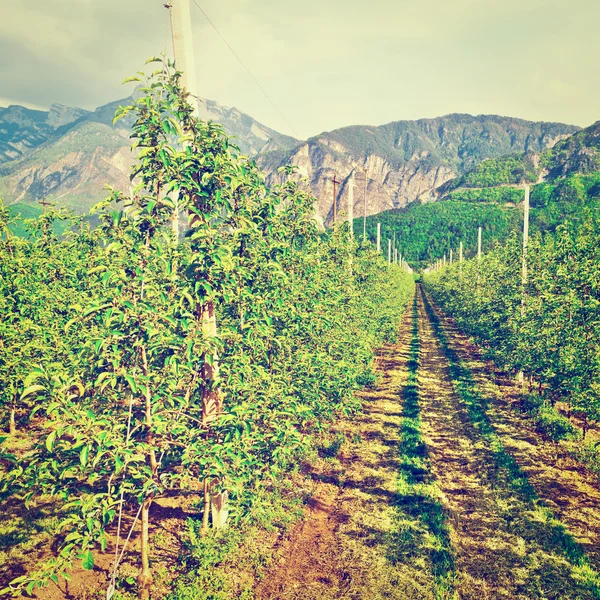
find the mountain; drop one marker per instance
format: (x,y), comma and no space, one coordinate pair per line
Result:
(564,180)
(405,161)
(70,154)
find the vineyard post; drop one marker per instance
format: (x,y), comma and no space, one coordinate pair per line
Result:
(451,256)
(478,257)
(351,202)
(335,182)
(378,238)
(444,260)
(365,210)
(525,243)
(389,251)
(521,375)
(460,259)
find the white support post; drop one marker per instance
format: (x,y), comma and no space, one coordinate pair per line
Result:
(365,210)
(389,252)
(378,238)
(351,203)
(525,238)
(451,256)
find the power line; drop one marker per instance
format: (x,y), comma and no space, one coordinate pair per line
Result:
(260,87)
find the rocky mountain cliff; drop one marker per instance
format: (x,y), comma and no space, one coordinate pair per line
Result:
(70,154)
(405,161)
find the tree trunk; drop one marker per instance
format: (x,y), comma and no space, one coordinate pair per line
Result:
(12,427)
(145,577)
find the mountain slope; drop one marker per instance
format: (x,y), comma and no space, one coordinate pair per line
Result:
(406,161)
(70,154)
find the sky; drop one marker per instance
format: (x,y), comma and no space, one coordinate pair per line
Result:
(324,63)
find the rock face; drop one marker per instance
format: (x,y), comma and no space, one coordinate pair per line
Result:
(404,161)
(70,154)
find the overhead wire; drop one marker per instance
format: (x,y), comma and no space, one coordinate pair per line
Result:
(260,87)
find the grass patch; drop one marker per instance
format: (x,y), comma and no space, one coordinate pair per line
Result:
(418,493)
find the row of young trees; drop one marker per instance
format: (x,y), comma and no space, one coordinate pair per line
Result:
(110,356)
(548,328)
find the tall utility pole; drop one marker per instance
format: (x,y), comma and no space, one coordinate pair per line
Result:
(183,51)
(212,402)
(378,238)
(183,47)
(365,211)
(44,203)
(335,182)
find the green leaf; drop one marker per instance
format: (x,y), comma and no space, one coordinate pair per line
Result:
(50,440)
(83,456)
(87,560)
(32,389)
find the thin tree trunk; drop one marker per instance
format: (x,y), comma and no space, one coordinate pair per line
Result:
(12,427)
(145,577)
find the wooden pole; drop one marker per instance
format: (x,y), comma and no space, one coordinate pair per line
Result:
(378,238)
(389,252)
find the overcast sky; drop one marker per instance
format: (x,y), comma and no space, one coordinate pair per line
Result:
(325,63)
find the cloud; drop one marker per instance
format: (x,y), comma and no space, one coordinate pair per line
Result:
(325,64)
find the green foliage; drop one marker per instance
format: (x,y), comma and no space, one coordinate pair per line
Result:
(425,232)
(110,349)
(554,336)
(499,195)
(511,169)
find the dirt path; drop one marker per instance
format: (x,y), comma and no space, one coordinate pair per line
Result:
(360,538)
(440,491)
